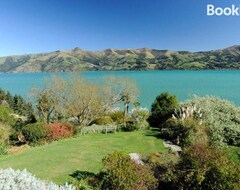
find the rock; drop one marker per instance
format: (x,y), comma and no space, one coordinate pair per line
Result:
(136,157)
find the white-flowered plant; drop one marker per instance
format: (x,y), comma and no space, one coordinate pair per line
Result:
(221,116)
(23,180)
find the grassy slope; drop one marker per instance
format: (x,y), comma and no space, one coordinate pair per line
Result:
(128,59)
(59,159)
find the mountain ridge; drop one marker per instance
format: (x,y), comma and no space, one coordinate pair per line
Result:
(127,59)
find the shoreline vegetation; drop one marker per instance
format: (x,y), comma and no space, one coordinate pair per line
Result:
(76,60)
(65,127)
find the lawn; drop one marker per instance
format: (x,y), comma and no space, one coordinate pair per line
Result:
(59,159)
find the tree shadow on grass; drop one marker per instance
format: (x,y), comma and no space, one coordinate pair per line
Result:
(153,132)
(79,175)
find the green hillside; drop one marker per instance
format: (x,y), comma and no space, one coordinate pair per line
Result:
(128,59)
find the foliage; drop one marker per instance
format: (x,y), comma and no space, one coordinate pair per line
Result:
(80,184)
(34,132)
(57,131)
(3,149)
(117,116)
(16,103)
(102,120)
(5,131)
(5,115)
(162,109)
(98,129)
(20,106)
(221,117)
(139,116)
(16,179)
(79,100)
(119,90)
(84,180)
(206,168)
(184,132)
(123,173)
(163,166)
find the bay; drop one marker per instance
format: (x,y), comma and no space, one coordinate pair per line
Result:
(183,84)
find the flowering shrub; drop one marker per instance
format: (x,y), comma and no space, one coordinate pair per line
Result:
(23,180)
(222,118)
(57,131)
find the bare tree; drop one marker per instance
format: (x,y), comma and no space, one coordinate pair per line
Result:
(120,90)
(75,97)
(84,102)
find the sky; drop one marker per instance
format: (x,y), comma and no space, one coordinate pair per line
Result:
(35,26)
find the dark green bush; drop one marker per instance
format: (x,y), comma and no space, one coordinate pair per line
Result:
(122,173)
(162,109)
(34,133)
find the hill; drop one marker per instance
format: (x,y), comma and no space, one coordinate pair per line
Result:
(128,59)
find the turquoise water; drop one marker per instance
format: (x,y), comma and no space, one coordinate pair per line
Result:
(184,84)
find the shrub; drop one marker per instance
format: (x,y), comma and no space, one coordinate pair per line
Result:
(206,168)
(184,132)
(117,116)
(140,114)
(162,109)
(221,117)
(5,131)
(3,150)
(16,179)
(123,173)
(34,133)
(139,117)
(163,165)
(5,115)
(57,131)
(103,120)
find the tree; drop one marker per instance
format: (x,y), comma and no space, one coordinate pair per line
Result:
(84,102)
(120,90)
(9,99)
(2,95)
(76,98)
(162,109)
(49,99)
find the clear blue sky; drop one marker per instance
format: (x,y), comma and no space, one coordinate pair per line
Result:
(30,26)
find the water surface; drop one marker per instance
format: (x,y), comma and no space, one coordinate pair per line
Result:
(184,84)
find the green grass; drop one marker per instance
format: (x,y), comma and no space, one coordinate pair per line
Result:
(59,159)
